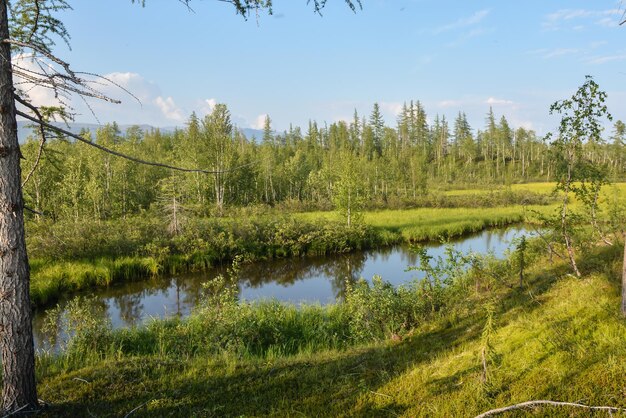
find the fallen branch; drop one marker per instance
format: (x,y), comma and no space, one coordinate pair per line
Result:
(533,404)
(17,411)
(137,408)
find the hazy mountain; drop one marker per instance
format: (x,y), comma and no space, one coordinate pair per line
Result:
(250,133)
(24,129)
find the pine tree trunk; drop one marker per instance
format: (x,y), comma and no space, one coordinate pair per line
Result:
(16,336)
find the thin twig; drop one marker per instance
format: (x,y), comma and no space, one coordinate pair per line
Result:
(533,404)
(15,412)
(136,408)
(380,394)
(548,244)
(42,141)
(46,54)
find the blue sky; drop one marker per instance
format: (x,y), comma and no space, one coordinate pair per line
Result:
(517,57)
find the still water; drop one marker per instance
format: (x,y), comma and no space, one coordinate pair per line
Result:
(301,280)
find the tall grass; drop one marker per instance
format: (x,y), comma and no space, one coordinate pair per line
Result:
(67,257)
(52,279)
(558,338)
(203,244)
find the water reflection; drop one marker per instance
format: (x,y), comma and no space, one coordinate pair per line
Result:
(311,279)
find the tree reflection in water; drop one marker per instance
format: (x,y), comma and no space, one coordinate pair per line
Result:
(310,279)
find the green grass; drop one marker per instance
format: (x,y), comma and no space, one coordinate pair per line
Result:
(50,280)
(544,188)
(559,338)
(428,224)
(312,233)
(66,258)
(206,243)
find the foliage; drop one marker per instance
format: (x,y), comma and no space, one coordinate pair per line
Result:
(348,191)
(575,173)
(413,166)
(34,23)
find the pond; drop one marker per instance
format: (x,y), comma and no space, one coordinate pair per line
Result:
(301,280)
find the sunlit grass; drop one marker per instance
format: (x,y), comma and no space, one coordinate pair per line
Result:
(424,224)
(559,338)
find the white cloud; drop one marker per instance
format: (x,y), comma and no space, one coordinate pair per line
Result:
(134,84)
(211,103)
(393,108)
(206,106)
(494,101)
(559,52)
(597,44)
(450,103)
(526,124)
(608,17)
(39,96)
(606,58)
(609,22)
(463,22)
(169,109)
(259,122)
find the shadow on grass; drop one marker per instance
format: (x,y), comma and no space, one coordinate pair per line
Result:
(326,384)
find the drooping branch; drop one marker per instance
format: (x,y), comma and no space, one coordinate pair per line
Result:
(42,140)
(51,72)
(46,54)
(534,404)
(64,85)
(247,7)
(125,156)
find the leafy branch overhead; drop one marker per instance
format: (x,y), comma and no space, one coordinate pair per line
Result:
(247,7)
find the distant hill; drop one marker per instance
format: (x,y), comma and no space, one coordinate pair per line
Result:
(251,134)
(24,129)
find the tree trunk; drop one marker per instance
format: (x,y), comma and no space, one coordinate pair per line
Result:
(16,336)
(564,222)
(624,281)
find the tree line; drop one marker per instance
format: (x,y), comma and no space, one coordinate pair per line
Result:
(344,164)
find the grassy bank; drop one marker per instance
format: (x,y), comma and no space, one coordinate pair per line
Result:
(429,224)
(557,338)
(67,257)
(100,254)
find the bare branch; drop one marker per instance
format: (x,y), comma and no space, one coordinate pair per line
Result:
(36,212)
(108,80)
(533,404)
(42,141)
(46,54)
(35,24)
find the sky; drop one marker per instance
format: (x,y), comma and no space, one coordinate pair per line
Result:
(296,66)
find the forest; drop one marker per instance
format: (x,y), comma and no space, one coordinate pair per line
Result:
(316,168)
